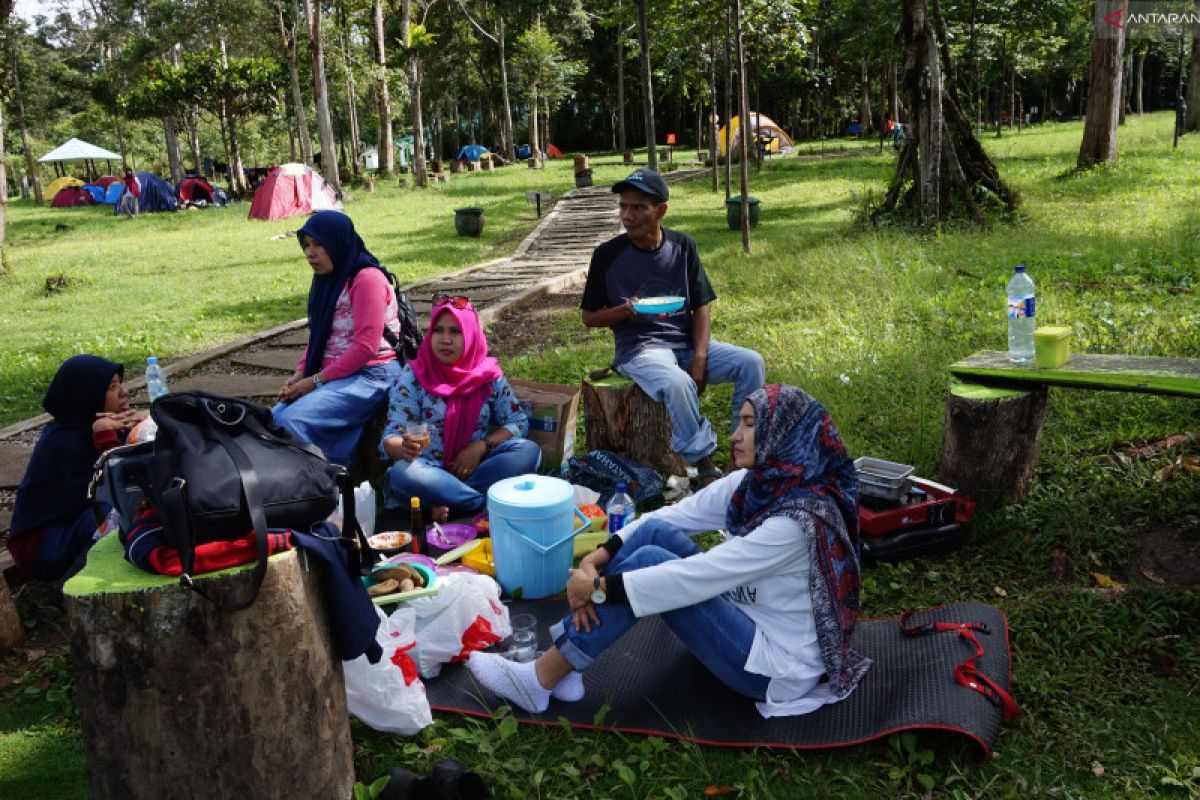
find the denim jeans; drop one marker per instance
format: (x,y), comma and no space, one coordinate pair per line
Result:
(437,487)
(333,416)
(715,631)
(662,374)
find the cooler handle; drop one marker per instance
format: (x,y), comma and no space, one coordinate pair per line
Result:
(545,549)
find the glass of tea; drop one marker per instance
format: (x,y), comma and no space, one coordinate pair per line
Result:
(418,434)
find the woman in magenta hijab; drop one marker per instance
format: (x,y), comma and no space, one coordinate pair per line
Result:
(473,421)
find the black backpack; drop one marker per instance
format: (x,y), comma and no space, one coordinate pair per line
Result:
(409,340)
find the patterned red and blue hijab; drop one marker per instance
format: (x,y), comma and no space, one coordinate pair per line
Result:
(802,471)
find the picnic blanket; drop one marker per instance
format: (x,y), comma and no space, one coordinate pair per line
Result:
(650,684)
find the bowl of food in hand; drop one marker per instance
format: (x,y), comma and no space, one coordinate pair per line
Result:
(667,304)
(389,542)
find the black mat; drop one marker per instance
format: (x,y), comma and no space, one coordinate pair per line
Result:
(652,685)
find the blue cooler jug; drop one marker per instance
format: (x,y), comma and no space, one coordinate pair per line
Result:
(533,524)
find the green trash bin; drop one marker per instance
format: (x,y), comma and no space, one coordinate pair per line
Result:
(733,212)
(468,221)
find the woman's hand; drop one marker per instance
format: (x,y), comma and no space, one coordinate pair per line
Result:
(401,448)
(580,583)
(296,387)
(119,421)
(467,460)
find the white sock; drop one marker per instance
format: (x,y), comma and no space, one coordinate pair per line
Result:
(570,688)
(514,681)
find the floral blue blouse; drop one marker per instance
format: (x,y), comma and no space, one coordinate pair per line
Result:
(409,402)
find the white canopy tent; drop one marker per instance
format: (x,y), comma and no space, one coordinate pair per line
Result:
(77,150)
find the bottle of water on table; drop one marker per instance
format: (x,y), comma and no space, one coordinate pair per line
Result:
(620,509)
(1021,303)
(156,384)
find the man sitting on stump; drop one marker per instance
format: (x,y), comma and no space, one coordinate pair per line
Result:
(670,356)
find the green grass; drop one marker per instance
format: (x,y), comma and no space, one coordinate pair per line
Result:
(867,320)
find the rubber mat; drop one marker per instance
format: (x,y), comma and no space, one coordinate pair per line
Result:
(647,682)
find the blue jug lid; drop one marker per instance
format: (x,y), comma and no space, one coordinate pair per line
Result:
(531,492)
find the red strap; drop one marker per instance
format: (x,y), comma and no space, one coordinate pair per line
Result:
(938,627)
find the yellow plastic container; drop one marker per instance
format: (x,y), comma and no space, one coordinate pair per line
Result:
(1051,346)
(481,558)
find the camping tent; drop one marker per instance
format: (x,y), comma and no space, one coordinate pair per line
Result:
(97,192)
(767,132)
(113,193)
(70,196)
(107,181)
(156,195)
(471,152)
(58,184)
(553,152)
(193,188)
(293,189)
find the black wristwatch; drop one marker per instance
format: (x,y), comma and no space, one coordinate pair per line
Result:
(488,446)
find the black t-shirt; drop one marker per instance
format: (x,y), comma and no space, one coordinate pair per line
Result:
(619,270)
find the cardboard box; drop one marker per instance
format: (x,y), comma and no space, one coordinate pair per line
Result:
(553,412)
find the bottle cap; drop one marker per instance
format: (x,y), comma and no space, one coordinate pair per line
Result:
(621,487)
(1019,268)
(414,502)
(152,360)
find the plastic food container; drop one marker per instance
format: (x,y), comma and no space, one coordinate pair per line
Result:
(596,516)
(658,305)
(533,522)
(481,558)
(887,480)
(1051,346)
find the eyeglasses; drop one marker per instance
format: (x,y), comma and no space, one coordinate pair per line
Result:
(456,300)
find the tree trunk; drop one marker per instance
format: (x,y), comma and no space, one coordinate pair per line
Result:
(412,71)
(1192,121)
(174,159)
(387,158)
(621,143)
(535,150)
(625,420)
(329,160)
(942,163)
(1138,70)
(1126,86)
(743,113)
(235,159)
(713,120)
(6,7)
(30,163)
(193,128)
(12,632)
(508,122)
(647,87)
(864,105)
(351,95)
(990,447)
(729,105)
(287,35)
(179,698)
(1099,143)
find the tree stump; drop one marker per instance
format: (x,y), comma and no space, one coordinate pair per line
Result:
(178,698)
(12,633)
(992,440)
(620,417)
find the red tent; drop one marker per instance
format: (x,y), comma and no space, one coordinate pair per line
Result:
(107,180)
(194,188)
(293,189)
(69,196)
(554,152)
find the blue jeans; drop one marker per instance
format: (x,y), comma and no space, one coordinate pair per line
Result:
(662,374)
(437,487)
(333,416)
(715,631)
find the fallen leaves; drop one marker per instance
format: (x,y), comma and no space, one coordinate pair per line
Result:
(999,591)
(718,791)
(1106,582)
(1180,464)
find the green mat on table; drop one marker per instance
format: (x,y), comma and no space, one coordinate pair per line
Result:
(107,571)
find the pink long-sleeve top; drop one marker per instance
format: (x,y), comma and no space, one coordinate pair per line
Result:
(356,336)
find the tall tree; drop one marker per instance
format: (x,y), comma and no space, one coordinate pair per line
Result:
(413,37)
(1192,123)
(507,142)
(1103,112)
(329,159)
(18,96)
(6,7)
(942,166)
(647,87)
(287,13)
(743,113)
(387,158)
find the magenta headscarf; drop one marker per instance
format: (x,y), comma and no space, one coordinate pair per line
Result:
(465,384)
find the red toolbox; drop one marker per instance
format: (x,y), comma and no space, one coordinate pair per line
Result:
(940,505)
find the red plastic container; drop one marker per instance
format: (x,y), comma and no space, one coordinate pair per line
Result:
(942,507)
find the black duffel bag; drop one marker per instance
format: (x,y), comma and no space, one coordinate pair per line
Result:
(221,467)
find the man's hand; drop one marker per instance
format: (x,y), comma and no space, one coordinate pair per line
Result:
(699,372)
(467,460)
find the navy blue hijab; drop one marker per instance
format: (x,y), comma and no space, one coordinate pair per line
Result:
(54,489)
(334,231)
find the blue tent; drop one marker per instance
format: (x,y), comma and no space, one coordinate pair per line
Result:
(114,192)
(524,151)
(157,194)
(471,152)
(97,192)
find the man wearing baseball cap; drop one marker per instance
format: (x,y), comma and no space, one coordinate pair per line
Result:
(670,356)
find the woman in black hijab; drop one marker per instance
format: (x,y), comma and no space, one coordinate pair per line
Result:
(53,522)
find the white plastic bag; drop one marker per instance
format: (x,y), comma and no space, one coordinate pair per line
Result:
(389,695)
(364,509)
(464,615)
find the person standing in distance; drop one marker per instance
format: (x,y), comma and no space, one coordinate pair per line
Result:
(670,356)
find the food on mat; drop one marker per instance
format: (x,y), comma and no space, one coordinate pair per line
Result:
(390,586)
(595,515)
(390,540)
(400,573)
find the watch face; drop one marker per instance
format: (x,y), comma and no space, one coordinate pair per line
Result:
(598,596)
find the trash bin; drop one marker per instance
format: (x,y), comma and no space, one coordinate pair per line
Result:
(468,221)
(583,178)
(733,212)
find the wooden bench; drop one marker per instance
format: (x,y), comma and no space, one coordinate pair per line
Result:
(995,410)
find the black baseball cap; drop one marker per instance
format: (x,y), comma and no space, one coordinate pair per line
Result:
(646,181)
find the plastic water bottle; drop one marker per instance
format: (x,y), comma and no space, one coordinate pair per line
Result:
(156,384)
(1021,322)
(620,509)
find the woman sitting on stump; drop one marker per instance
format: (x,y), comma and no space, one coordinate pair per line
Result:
(474,425)
(53,520)
(769,611)
(343,378)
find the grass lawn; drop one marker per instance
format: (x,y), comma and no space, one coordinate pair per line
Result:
(865,319)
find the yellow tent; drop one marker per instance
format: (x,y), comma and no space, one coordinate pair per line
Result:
(767,132)
(58,184)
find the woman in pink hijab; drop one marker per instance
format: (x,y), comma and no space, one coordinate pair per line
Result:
(474,425)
